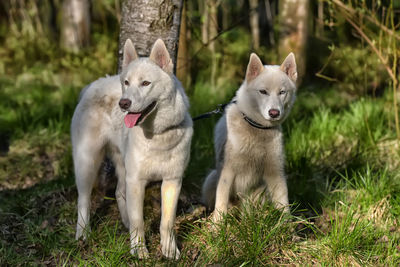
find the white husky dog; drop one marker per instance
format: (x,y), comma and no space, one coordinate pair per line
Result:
(148,98)
(248,138)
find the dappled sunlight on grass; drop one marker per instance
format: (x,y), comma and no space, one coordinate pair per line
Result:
(342,167)
(342,164)
(39,156)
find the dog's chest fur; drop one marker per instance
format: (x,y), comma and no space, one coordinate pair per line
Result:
(248,149)
(156,153)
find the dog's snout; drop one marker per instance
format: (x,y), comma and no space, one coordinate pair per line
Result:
(274,113)
(125,103)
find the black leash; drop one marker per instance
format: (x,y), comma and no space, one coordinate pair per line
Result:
(219,110)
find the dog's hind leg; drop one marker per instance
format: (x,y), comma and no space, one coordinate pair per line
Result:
(209,189)
(120,192)
(135,190)
(88,156)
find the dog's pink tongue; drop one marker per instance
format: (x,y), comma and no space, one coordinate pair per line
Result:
(131,119)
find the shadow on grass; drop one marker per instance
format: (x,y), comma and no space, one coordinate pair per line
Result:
(45,214)
(35,222)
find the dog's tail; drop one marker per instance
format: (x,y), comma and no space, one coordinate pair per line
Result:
(209,189)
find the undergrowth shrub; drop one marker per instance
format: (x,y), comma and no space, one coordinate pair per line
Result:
(356,70)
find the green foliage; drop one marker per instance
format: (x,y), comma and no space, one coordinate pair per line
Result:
(233,50)
(366,63)
(356,70)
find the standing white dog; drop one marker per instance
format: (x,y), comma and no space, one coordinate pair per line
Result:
(152,102)
(248,138)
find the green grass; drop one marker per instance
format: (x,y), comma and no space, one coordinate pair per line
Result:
(232,242)
(342,166)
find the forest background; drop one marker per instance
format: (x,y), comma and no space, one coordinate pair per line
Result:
(341,139)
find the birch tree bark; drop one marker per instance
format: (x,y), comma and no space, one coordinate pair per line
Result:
(145,21)
(75,27)
(293,25)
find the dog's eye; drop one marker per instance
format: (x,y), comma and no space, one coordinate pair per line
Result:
(264,92)
(146,83)
(126,82)
(282,92)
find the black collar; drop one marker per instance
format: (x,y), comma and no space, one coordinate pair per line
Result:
(251,122)
(256,124)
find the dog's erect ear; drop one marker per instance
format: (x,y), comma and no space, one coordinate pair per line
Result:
(159,55)
(129,53)
(254,68)
(289,67)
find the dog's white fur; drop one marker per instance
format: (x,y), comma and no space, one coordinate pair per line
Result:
(250,160)
(156,149)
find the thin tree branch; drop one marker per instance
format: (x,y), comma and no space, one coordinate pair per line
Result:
(366,38)
(371,19)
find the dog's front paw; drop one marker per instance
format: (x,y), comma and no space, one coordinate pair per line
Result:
(82,232)
(170,250)
(216,216)
(140,251)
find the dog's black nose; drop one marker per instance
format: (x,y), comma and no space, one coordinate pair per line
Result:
(125,103)
(274,113)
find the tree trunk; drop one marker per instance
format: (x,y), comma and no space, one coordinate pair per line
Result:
(254,25)
(209,26)
(212,6)
(212,23)
(225,15)
(205,21)
(320,20)
(75,24)
(293,26)
(182,65)
(145,21)
(270,20)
